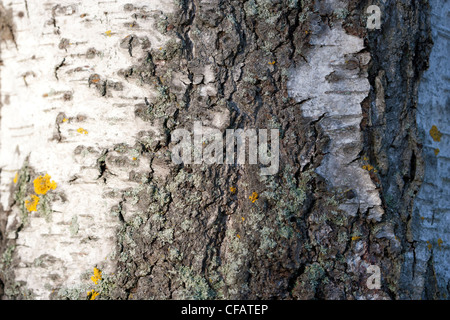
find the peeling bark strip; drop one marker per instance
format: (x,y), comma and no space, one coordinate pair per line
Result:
(92,93)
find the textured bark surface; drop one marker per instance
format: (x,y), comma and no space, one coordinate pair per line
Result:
(90,94)
(430,225)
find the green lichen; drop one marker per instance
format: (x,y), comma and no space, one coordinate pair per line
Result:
(239,252)
(18,290)
(166,236)
(104,287)
(44,208)
(338,217)
(341,13)
(293,4)
(162,23)
(21,191)
(342,238)
(71,293)
(267,242)
(250,8)
(313,273)
(7,256)
(287,205)
(186,225)
(74,226)
(267,12)
(195,286)
(170,51)
(331,201)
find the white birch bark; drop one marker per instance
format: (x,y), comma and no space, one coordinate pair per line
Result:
(47,96)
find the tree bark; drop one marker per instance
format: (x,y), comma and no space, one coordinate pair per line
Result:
(91,93)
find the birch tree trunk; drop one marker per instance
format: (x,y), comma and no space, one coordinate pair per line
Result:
(92,91)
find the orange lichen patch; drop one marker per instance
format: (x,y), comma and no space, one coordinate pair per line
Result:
(253,197)
(83,15)
(435,134)
(108,33)
(436,151)
(440,242)
(354,238)
(232,189)
(429,246)
(32,205)
(16,177)
(238,236)
(82,131)
(92,294)
(368,166)
(42,184)
(272,62)
(45,95)
(97,276)
(423,218)
(134,158)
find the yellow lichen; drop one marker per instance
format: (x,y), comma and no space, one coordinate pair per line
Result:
(440,242)
(369,168)
(272,62)
(16,177)
(97,276)
(32,205)
(92,294)
(253,197)
(354,238)
(42,184)
(64,120)
(429,245)
(238,236)
(82,131)
(435,134)
(232,189)
(108,33)
(436,151)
